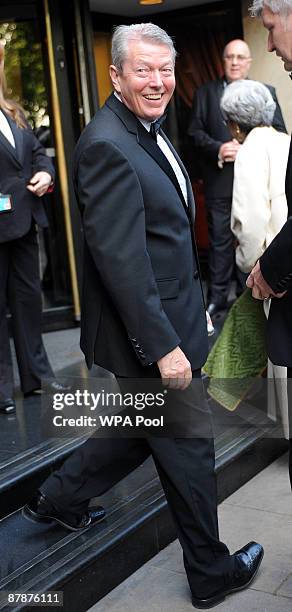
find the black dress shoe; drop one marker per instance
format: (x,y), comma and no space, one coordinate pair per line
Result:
(52,387)
(56,387)
(214,308)
(40,509)
(247,562)
(7,405)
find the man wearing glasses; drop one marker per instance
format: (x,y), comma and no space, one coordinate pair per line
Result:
(216,152)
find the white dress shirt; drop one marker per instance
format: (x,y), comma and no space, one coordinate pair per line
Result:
(6,129)
(171,159)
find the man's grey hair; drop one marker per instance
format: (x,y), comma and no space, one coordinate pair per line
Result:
(137,31)
(284,7)
(248,103)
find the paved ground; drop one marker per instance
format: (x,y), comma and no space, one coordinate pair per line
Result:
(261,510)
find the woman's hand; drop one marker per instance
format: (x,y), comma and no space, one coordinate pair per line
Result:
(40,183)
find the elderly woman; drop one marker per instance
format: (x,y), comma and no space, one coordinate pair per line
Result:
(259,210)
(259,207)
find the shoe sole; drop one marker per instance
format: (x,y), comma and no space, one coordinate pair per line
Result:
(32,516)
(213,601)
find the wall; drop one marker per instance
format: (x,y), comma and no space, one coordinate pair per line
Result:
(267,67)
(102,55)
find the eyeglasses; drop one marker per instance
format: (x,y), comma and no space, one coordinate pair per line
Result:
(239,58)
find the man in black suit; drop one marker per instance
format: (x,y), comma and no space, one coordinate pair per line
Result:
(272,275)
(143,314)
(216,151)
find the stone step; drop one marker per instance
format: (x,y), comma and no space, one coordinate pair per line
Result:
(86,566)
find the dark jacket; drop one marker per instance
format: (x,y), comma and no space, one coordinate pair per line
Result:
(142,293)
(209,131)
(276,267)
(18,165)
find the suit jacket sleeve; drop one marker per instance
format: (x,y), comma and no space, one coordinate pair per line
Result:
(276,262)
(113,212)
(198,128)
(251,210)
(278,120)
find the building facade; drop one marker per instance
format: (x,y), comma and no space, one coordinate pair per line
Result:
(57,57)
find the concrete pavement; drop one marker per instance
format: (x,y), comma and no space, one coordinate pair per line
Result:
(261,510)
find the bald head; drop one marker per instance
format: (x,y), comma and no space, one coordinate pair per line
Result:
(237,60)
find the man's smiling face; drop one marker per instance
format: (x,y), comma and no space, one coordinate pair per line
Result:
(147,81)
(280,35)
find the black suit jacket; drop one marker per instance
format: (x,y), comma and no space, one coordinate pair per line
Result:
(276,267)
(142,294)
(209,131)
(17,168)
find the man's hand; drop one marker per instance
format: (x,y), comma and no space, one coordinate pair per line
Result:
(229,150)
(175,369)
(260,289)
(40,183)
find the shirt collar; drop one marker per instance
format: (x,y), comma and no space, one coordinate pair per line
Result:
(146,124)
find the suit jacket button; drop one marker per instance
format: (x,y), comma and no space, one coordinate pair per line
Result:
(196,274)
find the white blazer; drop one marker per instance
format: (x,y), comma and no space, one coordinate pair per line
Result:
(259,206)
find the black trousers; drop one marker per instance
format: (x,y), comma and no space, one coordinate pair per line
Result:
(222,266)
(186,470)
(20,289)
(289,381)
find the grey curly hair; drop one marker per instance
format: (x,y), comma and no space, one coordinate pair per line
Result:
(248,103)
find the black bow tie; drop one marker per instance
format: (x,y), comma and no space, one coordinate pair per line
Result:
(155,126)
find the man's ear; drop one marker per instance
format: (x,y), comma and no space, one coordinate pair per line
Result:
(114,75)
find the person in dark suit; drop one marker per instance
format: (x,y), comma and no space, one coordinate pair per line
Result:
(272,274)
(26,175)
(143,315)
(216,151)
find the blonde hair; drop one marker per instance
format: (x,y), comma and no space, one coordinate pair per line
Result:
(12,108)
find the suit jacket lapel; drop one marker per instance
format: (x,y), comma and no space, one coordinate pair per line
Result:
(289,181)
(146,141)
(191,209)
(220,91)
(190,194)
(13,151)
(18,137)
